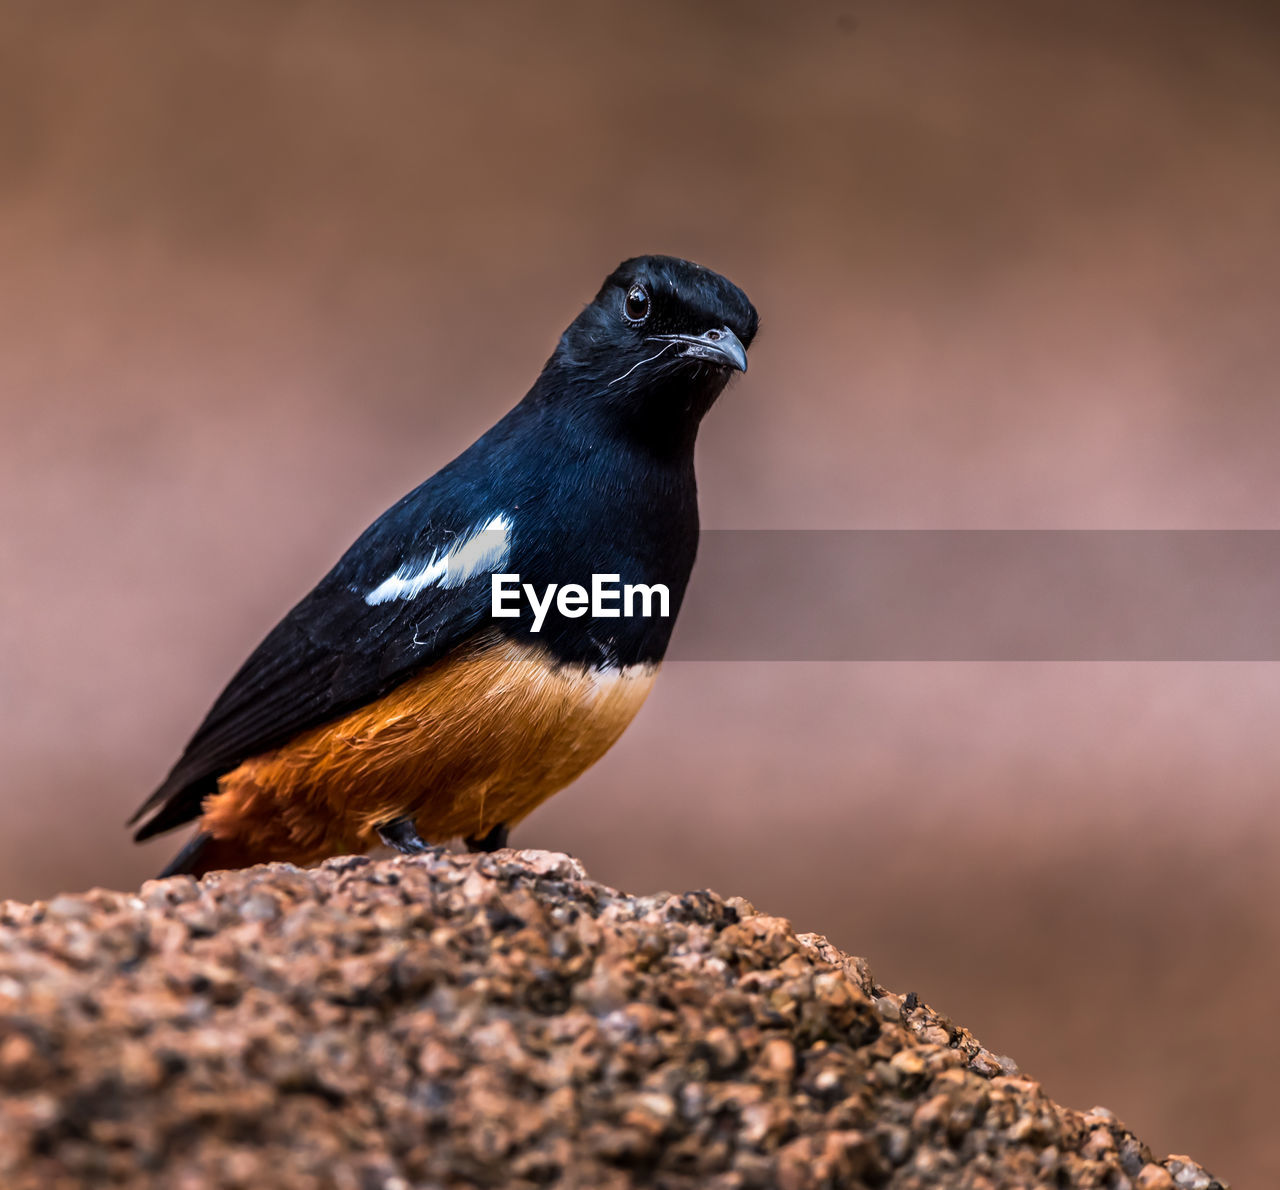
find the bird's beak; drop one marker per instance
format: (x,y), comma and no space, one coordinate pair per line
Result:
(720,346)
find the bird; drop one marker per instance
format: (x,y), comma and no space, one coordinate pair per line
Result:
(400,701)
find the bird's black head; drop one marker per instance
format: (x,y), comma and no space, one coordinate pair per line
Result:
(656,347)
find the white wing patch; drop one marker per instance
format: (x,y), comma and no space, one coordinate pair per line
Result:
(480,550)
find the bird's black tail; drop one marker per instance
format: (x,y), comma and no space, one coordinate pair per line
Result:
(203,853)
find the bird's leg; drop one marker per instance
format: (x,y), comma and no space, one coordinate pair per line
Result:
(491,840)
(402,835)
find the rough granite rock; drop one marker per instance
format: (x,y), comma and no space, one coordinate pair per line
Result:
(500,1020)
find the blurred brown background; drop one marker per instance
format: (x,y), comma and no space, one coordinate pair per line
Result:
(263,267)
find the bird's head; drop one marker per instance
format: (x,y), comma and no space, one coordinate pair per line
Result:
(658,343)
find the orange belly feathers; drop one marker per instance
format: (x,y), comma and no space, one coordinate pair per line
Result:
(478,739)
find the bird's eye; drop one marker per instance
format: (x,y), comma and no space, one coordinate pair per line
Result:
(636,307)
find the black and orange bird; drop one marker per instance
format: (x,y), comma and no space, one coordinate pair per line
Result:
(392,703)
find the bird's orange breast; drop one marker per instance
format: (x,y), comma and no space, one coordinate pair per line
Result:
(479,738)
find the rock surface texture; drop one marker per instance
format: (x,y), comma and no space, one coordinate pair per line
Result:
(461,1021)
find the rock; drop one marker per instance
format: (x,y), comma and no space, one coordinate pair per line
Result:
(494,1021)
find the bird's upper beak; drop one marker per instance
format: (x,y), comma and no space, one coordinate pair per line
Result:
(720,346)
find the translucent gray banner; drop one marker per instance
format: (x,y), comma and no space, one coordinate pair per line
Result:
(983,595)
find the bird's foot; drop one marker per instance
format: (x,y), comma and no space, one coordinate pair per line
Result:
(490,841)
(402,835)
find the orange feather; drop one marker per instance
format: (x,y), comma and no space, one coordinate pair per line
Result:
(480,738)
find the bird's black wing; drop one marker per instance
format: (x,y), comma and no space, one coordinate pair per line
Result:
(336,650)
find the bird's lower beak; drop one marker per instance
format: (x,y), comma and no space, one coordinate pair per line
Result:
(720,346)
